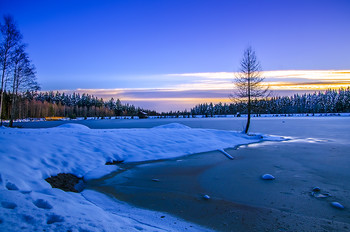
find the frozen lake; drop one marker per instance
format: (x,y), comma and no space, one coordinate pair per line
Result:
(316,155)
(302,127)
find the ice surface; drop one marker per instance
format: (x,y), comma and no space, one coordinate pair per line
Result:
(28,156)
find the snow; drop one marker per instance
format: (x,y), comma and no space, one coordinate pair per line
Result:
(73,126)
(172,126)
(28,156)
(226,154)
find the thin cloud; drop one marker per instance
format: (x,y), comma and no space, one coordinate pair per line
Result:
(190,89)
(280,78)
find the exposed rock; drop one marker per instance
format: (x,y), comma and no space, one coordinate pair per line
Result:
(66,181)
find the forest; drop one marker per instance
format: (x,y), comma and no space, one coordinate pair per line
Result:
(20,95)
(329,101)
(33,104)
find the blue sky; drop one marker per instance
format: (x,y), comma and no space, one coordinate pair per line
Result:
(164,45)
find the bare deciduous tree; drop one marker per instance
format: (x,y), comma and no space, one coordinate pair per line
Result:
(10,38)
(248,81)
(24,78)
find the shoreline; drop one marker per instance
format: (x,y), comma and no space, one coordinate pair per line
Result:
(239,199)
(122,122)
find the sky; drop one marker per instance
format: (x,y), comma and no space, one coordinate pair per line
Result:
(173,54)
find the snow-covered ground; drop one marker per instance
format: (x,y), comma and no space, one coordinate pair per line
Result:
(28,156)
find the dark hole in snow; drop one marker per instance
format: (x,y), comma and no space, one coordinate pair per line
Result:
(67,182)
(11,186)
(54,218)
(162,216)
(8,205)
(40,203)
(114,162)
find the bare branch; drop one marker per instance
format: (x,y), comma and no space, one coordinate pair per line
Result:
(248,80)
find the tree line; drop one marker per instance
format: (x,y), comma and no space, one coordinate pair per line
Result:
(329,101)
(19,92)
(31,104)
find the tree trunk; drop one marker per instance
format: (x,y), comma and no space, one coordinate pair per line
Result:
(249,104)
(248,119)
(2,89)
(13,105)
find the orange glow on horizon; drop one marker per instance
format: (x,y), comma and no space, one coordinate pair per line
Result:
(307,86)
(207,86)
(223,100)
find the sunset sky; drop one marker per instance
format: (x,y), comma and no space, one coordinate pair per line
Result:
(172,54)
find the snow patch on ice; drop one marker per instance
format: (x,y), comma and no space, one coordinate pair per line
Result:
(173,126)
(75,126)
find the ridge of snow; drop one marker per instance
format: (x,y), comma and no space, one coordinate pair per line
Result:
(74,126)
(172,126)
(28,156)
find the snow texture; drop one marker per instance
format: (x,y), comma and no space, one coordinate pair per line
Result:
(28,156)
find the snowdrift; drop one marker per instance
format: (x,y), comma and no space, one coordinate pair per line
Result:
(28,156)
